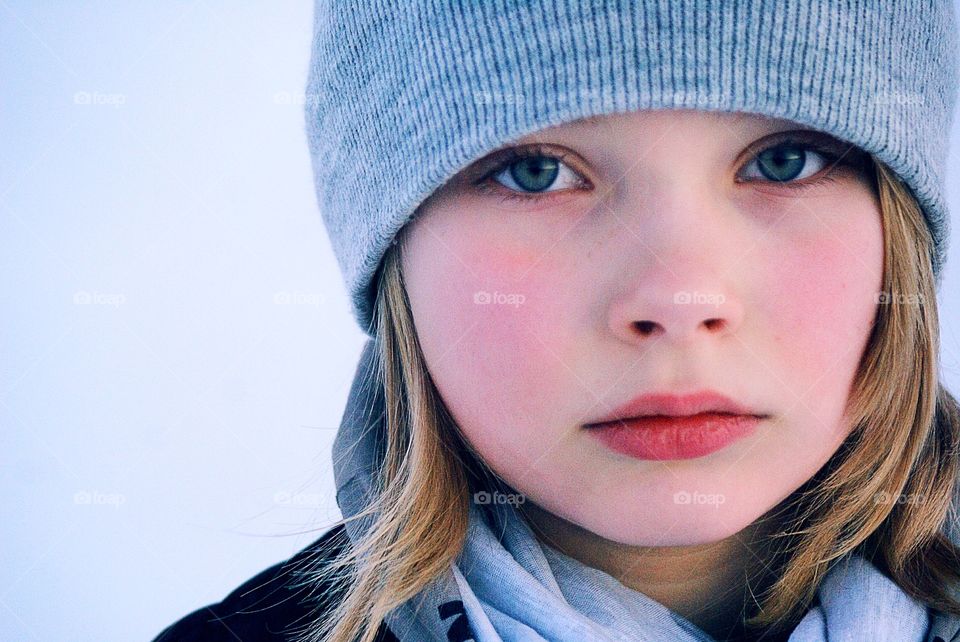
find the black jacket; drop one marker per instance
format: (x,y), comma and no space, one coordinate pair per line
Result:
(265,607)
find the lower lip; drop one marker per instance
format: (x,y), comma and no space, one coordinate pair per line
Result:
(662,438)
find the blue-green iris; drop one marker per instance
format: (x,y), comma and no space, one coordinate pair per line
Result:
(535,174)
(783,162)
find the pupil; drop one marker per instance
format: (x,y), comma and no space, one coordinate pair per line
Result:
(782,163)
(535,174)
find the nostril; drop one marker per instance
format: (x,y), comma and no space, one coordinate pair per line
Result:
(646,327)
(713,324)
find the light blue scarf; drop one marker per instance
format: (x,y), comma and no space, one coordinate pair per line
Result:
(515,588)
(506,585)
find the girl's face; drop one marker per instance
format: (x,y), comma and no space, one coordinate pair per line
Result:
(650,252)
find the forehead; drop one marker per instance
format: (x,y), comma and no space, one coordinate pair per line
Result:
(743,124)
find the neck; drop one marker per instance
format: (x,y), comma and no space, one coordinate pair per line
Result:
(708,584)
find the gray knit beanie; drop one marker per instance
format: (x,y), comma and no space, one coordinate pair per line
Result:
(403,94)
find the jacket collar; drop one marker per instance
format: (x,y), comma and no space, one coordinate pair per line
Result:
(943,628)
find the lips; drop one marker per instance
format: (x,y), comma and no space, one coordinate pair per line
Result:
(665,438)
(665,426)
(676,405)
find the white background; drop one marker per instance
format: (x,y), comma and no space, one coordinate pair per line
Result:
(172,438)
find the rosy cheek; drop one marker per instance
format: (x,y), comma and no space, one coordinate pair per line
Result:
(818,297)
(512,320)
(470,298)
(518,321)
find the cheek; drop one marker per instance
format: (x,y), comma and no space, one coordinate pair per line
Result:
(493,328)
(818,295)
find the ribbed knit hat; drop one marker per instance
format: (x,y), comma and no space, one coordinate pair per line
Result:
(403,94)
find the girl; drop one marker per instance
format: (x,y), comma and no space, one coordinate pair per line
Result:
(650,291)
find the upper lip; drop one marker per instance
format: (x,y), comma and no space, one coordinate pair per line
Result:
(676,405)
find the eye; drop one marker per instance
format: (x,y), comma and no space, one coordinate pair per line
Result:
(786,162)
(790,161)
(536,174)
(530,173)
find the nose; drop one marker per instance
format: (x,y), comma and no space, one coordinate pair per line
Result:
(679,314)
(684,290)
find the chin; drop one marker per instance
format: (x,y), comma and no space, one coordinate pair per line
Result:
(674,526)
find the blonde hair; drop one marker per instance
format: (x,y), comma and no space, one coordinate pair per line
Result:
(885,494)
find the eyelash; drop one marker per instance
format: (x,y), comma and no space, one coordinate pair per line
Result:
(514,154)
